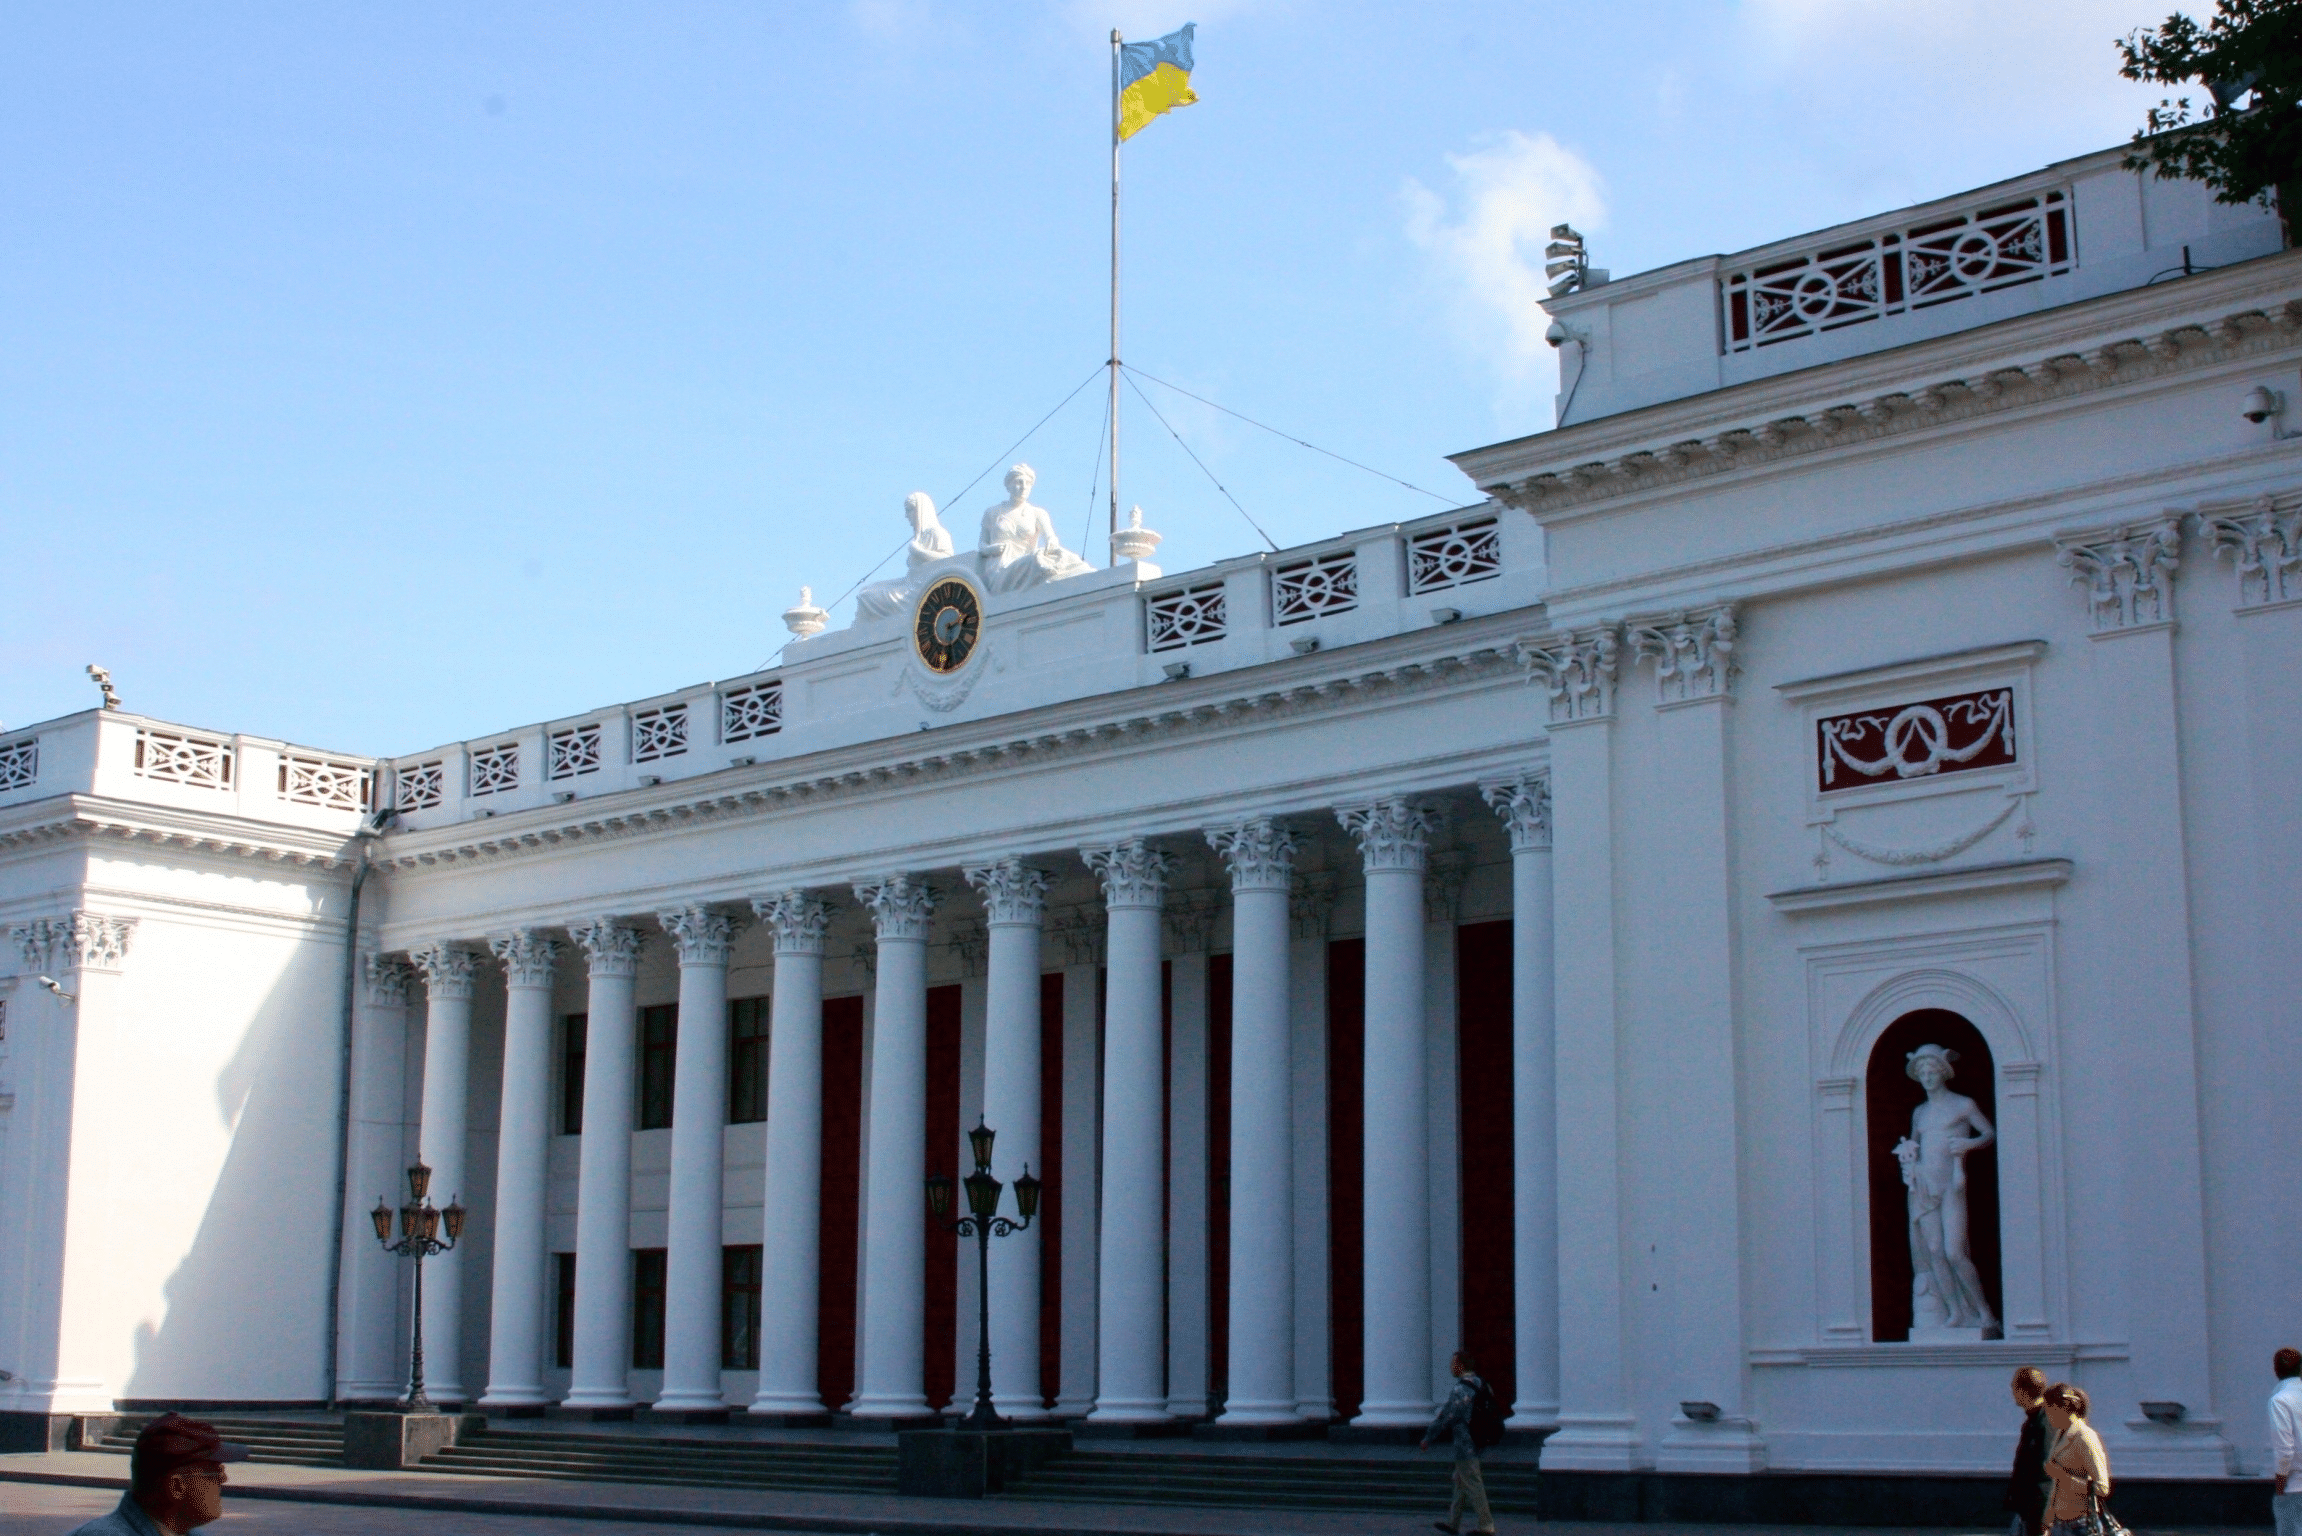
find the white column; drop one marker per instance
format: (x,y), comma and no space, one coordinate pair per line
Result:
(1597,1430)
(1524,803)
(792,1203)
(1015,907)
(371,1340)
(1310,905)
(1261,855)
(516,1299)
(440,1142)
(1082,1149)
(1188,924)
(1393,844)
(698,1163)
(893,1380)
(601,1380)
(1131,1300)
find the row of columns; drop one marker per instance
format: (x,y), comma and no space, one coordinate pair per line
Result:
(1259,854)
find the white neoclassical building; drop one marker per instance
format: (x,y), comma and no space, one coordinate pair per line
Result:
(1521,928)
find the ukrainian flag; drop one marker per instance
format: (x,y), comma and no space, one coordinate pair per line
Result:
(1154,77)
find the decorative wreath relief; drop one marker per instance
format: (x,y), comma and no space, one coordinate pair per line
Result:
(1956,734)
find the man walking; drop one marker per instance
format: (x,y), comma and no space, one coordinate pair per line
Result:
(2026,1489)
(1455,1416)
(175,1481)
(2286,1442)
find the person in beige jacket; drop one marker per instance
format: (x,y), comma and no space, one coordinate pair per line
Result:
(2074,1460)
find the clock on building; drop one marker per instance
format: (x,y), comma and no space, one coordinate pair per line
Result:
(949,621)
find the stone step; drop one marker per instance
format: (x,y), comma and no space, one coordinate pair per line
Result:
(1217,1481)
(666,1461)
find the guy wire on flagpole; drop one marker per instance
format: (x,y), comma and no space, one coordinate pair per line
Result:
(1115,141)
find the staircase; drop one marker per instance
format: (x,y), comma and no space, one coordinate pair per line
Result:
(1215,1480)
(315,1442)
(813,1467)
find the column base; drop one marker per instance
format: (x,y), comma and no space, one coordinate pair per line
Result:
(887,1423)
(510,1400)
(787,1418)
(656,1413)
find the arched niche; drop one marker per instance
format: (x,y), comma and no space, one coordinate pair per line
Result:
(1890,1095)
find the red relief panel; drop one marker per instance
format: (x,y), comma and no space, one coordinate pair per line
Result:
(1957,734)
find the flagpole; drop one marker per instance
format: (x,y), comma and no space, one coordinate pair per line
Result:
(1114,293)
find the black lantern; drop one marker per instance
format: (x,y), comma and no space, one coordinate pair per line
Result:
(1027,1195)
(419,1182)
(420,1238)
(983,1222)
(980,1139)
(982,1194)
(382,1217)
(455,1215)
(939,1194)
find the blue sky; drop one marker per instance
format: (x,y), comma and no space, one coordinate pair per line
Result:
(378,376)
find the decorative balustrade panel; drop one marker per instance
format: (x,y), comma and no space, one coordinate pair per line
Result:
(756,710)
(326,781)
(572,752)
(421,785)
(1937,262)
(1190,617)
(1450,557)
(183,759)
(1311,588)
(495,769)
(20,763)
(659,733)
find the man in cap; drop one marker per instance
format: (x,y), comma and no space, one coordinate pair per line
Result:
(175,1480)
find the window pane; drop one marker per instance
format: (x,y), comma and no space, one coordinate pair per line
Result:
(739,1308)
(647,1309)
(658,1053)
(572,1035)
(747,1060)
(563,1329)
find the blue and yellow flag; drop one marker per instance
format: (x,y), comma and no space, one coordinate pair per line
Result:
(1154,77)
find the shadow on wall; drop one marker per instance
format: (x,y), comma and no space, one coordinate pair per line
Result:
(242,1317)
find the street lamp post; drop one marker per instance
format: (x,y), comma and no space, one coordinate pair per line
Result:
(420,1238)
(983,1222)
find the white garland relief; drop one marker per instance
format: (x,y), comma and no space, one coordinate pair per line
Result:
(1915,740)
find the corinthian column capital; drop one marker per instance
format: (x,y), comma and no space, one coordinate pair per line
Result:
(1013,892)
(900,904)
(1133,873)
(611,947)
(528,956)
(446,969)
(388,978)
(702,934)
(1393,833)
(1578,671)
(797,920)
(1260,853)
(1693,652)
(1524,803)
(2128,571)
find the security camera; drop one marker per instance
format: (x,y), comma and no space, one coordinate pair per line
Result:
(2260,405)
(56,987)
(1557,335)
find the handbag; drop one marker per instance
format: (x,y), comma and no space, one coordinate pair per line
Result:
(2099,1521)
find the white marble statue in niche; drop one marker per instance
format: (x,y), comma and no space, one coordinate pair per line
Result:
(930,544)
(1019,546)
(1946,1300)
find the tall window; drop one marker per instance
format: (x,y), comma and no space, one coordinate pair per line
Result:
(747,1060)
(563,1316)
(739,1308)
(572,1033)
(647,1309)
(658,1054)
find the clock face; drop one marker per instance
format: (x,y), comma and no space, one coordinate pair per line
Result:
(949,621)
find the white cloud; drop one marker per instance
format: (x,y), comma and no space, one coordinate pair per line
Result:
(1484,236)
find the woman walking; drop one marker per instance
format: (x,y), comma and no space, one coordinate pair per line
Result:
(2080,1472)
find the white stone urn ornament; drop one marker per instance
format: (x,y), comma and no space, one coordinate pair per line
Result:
(805,619)
(1134,542)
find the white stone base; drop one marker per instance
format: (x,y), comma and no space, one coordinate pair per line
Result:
(1719,1445)
(1949,1335)
(1589,1443)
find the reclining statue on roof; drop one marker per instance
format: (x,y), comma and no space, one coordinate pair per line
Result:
(930,544)
(1019,546)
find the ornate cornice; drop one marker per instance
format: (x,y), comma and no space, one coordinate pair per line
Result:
(1260,853)
(797,920)
(900,905)
(1013,892)
(1393,833)
(1133,873)
(528,956)
(1524,803)
(1985,372)
(611,947)
(701,933)
(71,816)
(447,971)
(1482,655)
